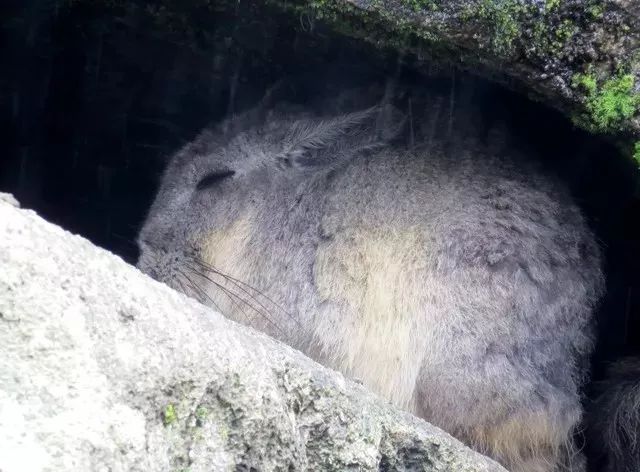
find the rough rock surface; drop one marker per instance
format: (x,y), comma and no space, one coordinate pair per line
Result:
(104,369)
(8,198)
(580,56)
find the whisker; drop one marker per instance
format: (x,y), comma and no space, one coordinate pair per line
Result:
(196,292)
(199,289)
(231,299)
(240,284)
(230,293)
(193,291)
(182,287)
(224,291)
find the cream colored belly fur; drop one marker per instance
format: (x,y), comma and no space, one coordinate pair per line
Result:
(374,275)
(370,299)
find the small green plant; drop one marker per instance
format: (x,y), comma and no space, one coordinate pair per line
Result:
(550,5)
(596,11)
(201,415)
(169,415)
(419,5)
(636,152)
(503,18)
(610,103)
(566,30)
(201,412)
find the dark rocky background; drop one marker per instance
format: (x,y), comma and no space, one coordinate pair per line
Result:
(94,96)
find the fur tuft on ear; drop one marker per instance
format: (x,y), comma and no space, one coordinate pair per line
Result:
(325,143)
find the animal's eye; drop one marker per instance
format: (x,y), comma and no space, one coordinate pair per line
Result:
(213,178)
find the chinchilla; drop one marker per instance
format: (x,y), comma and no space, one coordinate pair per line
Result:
(451,276)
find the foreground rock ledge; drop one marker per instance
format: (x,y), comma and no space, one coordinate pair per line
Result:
(102,368)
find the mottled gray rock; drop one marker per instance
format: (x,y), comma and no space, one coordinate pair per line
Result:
(104,369)
(8,198)
(578,56)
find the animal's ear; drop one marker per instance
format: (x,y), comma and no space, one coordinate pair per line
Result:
(322,143)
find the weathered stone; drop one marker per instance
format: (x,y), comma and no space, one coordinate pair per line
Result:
(104,369)
(580,56)
(8,198)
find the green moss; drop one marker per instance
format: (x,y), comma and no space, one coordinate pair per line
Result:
(504,28)
(565,31)
(169,415)
(586,81)
(636,152)
(421,5)
(500,19)
(503,19)
(551,39)
(201,415)
(596,11)
(551,5)
(609,104)
(223,431)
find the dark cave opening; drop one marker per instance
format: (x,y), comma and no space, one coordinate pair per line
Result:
(94,99)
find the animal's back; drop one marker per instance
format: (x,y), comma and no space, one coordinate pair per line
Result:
(461,289)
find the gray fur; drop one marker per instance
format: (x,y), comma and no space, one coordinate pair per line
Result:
(615,418)
(460,285)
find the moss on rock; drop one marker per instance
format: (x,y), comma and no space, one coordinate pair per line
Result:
(543,48)
(636,152)
(609,103)
(169,415)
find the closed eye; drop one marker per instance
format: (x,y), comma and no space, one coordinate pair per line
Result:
(213,178)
